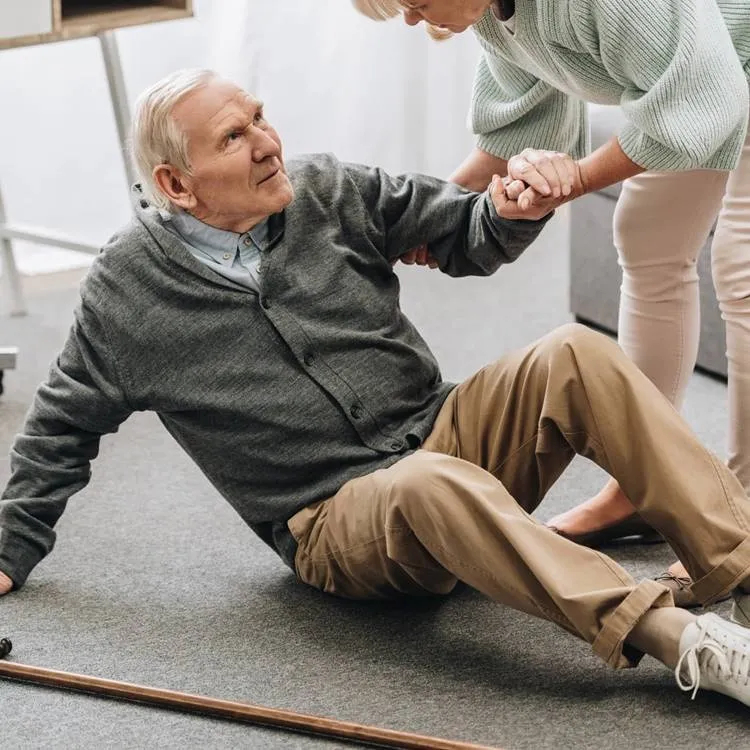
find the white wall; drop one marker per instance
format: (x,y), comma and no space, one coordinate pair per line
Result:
(332,81)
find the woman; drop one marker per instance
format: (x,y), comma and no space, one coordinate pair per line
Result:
(679,71)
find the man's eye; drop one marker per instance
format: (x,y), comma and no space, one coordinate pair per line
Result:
(259,117)
(235,134)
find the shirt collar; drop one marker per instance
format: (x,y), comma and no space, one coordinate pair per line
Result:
(259,233)
(219,244)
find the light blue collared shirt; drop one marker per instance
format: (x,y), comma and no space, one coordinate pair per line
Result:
(234,256)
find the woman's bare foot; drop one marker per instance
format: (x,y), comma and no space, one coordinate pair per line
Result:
(607,507)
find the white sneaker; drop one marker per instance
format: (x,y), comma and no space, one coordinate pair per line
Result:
(715,655)
(741,608)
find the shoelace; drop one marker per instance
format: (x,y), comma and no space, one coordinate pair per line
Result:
(737,666)
(683,583)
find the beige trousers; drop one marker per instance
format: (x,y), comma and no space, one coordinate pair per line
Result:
(459,508)
(661,223)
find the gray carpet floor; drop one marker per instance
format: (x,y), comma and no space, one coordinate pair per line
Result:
(155,580)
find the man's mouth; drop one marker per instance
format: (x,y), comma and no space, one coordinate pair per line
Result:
(270,176)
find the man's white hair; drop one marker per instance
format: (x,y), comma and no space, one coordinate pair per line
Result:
(382,10)
(155,137)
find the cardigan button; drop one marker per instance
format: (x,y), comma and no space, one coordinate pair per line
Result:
(356,411)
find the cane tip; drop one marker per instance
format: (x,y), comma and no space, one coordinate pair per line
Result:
(5,647)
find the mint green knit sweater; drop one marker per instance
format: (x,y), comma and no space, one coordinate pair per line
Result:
(678,68)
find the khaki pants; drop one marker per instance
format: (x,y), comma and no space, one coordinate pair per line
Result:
(661,223)
(459,508)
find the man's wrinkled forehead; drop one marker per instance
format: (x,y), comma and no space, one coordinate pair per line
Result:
(240,103)
(205,111)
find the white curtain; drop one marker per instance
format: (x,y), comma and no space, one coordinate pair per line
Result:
(332,80)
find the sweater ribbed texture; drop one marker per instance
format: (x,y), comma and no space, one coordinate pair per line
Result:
(678,68)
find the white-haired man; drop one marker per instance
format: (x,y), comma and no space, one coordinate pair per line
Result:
(252,305)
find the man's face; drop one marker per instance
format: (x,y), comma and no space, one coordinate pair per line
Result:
(237,174)
(453,15)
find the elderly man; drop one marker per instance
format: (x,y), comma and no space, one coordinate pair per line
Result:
(253,307)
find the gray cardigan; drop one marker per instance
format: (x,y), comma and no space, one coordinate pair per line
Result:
(318,379)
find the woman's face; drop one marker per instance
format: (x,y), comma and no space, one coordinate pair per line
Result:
(453,15)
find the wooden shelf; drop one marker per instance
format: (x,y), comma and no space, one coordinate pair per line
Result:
(73,8)
(94,16)
(73,19)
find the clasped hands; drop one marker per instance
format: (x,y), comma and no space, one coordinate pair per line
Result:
(537,182)
(5,584)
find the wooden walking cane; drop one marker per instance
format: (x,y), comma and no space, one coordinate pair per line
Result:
(243,712)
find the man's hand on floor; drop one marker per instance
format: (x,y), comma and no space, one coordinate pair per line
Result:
(5,584)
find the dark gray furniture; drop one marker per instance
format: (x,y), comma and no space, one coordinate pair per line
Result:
(8,356)
(595,275)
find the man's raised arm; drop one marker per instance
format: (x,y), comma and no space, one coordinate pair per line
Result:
(469,234)
(50,460)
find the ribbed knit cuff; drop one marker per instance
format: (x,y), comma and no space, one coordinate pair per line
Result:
(652,155)
(511,141)
(17,559)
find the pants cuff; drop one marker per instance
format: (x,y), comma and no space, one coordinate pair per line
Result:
(610,643)
(724,577)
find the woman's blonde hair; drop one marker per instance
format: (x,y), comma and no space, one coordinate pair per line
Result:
(382,10)
(155,136)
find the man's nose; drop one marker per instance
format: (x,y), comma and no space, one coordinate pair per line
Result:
(265,147)
(412,17)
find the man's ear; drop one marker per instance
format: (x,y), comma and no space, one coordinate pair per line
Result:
(171,182)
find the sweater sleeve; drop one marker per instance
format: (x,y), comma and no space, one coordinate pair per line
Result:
(462,230)
(50,460)
(512,110)
(685,94)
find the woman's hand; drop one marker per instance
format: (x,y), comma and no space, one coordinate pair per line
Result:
(549,176)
